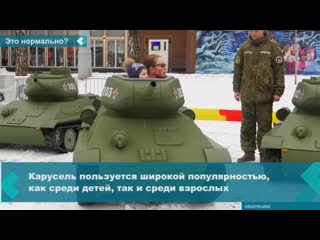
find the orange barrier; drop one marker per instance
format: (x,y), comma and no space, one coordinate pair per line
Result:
(223,115)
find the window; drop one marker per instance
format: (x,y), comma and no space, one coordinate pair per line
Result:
(111,53)
(72,52)
(60,58)
(120,53)
(55,55)
(33,56)
(36,54)
(4,53)
(51,56)
(71,56)
(40,56)
(4,56)
(97,53)
(115,53)
(13,56)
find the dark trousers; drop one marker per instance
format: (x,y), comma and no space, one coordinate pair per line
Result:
(254,114)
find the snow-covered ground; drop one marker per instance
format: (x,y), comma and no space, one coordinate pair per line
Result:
(200,91)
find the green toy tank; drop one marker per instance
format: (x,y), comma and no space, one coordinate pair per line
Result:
(51,114)
(297,137)
(143,120)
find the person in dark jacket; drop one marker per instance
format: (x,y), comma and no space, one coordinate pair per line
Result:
(258,81)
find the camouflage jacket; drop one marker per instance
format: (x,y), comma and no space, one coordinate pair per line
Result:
(259,71)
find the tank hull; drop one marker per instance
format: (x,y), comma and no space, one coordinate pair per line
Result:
(285,140)
(32,122)
(21,135)
(175,138)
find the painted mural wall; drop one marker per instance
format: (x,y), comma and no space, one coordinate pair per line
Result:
(216,50)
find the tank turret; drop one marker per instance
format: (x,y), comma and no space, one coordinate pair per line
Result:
(51,114)
(56,85)
(296,138)
(143,98)
(307,95)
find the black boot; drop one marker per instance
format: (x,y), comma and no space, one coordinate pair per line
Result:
(247,157)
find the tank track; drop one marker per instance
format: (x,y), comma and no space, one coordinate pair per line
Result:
(50,138)
(272,155)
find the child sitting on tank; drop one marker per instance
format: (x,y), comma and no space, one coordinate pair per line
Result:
(135,70)
(127,62)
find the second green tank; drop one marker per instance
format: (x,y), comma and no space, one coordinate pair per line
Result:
(51,114)
(297,137)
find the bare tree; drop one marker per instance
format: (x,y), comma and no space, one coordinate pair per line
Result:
(21,55)
(133,45)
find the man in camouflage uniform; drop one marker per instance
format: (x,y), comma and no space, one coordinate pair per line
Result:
(258,81)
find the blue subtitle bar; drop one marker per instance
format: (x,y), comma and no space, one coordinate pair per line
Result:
(258,185)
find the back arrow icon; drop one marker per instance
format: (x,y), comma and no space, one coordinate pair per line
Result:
(80,41)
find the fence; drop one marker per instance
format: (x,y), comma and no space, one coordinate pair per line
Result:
(20,85)
(7,86)
(91,85)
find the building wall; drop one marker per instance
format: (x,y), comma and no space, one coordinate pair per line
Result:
(182,47)
(191,56)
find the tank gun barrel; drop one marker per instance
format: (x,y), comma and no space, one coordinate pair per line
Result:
(35,80)
(150,89)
